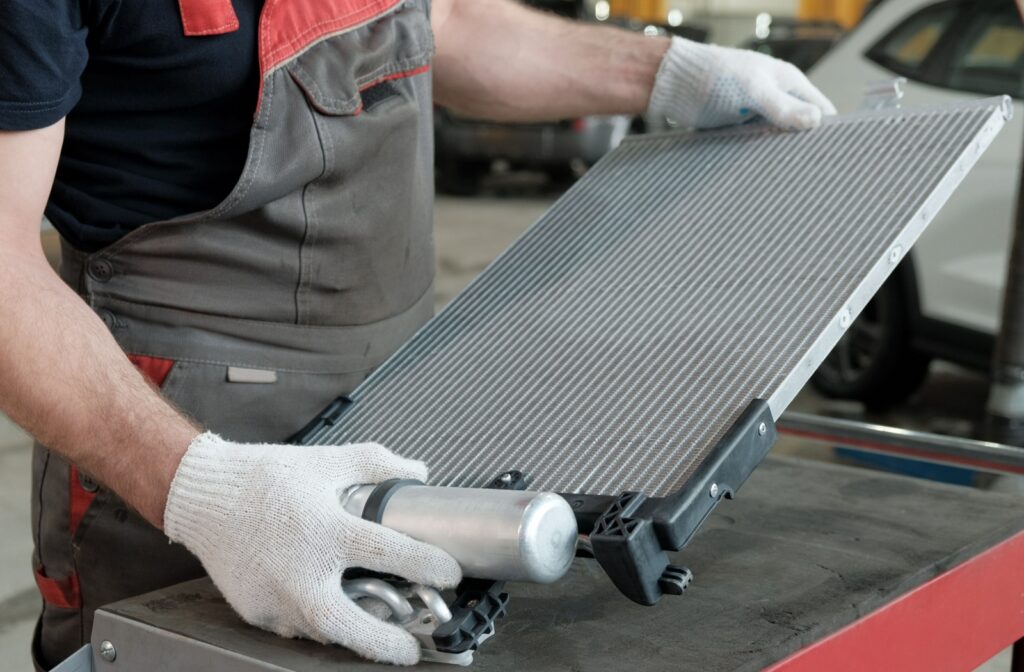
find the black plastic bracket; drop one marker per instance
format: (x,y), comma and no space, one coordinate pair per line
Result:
(628,550)
(327,418)
(478,603)
(632,534)
(512,479)
(725,468)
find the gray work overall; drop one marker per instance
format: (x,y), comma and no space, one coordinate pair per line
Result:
(254,315)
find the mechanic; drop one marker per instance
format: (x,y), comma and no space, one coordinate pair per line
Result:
(244,194)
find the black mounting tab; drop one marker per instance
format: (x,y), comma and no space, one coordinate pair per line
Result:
(633,532)
(327,418)
(726,467)
(513,479)
(628,550)
(478,603)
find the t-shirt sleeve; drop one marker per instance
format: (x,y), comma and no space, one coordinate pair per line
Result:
(42,55)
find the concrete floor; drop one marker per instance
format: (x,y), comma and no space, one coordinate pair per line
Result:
(470,232)
(19,601)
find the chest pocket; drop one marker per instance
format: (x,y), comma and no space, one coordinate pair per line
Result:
(367,250)
(361,69)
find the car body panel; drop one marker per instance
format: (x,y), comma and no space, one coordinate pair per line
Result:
(586,139)
(961,259)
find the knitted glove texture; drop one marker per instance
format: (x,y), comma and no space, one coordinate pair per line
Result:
(705,86)
(267,524)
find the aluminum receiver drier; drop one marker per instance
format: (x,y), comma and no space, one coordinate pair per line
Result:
(504,535)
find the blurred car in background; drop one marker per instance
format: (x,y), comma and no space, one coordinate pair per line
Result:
(466,149)
(945,299)
(801,43)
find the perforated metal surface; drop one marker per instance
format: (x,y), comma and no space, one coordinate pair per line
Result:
(684,276)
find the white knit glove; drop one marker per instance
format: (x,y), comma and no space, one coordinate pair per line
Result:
(704,86)
(267,523)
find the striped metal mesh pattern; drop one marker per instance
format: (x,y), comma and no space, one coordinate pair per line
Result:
(685,275)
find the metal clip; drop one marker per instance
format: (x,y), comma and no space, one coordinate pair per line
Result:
(883,95)
(420,622)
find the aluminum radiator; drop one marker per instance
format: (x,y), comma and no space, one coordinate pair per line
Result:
(643,335)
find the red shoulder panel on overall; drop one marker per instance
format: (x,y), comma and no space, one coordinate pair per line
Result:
(207,17)
(289,26)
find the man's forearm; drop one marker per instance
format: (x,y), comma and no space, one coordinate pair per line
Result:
(62,376)
(65,380)
(497,59)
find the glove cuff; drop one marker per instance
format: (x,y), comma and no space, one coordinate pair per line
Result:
(204,492)
(681,83)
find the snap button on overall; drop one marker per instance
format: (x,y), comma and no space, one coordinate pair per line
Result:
(100,270)
(87,483)
(107,317)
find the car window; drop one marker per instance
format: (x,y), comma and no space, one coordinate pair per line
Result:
(906,48)
(803,53)
(990,56)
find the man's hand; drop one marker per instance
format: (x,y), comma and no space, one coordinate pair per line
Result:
(497,59)
(267,523)
(704,86)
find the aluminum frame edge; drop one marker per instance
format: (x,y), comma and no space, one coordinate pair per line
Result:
(1002,111)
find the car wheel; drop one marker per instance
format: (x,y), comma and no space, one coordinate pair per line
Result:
(562,176)
(874,362)
(459,177)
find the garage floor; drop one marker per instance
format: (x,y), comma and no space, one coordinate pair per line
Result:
(470,232)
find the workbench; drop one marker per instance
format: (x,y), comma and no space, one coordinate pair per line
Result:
(813,567)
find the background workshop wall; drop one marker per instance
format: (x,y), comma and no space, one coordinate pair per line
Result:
(732,21)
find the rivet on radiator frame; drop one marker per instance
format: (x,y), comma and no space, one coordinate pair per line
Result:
(761,429)
(895,253)
(714,490)
(845,318)
(107,651)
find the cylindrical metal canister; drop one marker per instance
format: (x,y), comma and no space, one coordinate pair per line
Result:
(494,534)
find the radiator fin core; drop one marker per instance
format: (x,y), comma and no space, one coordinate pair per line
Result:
(683,276)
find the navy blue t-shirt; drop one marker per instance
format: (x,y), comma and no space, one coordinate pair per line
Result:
(157,123)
